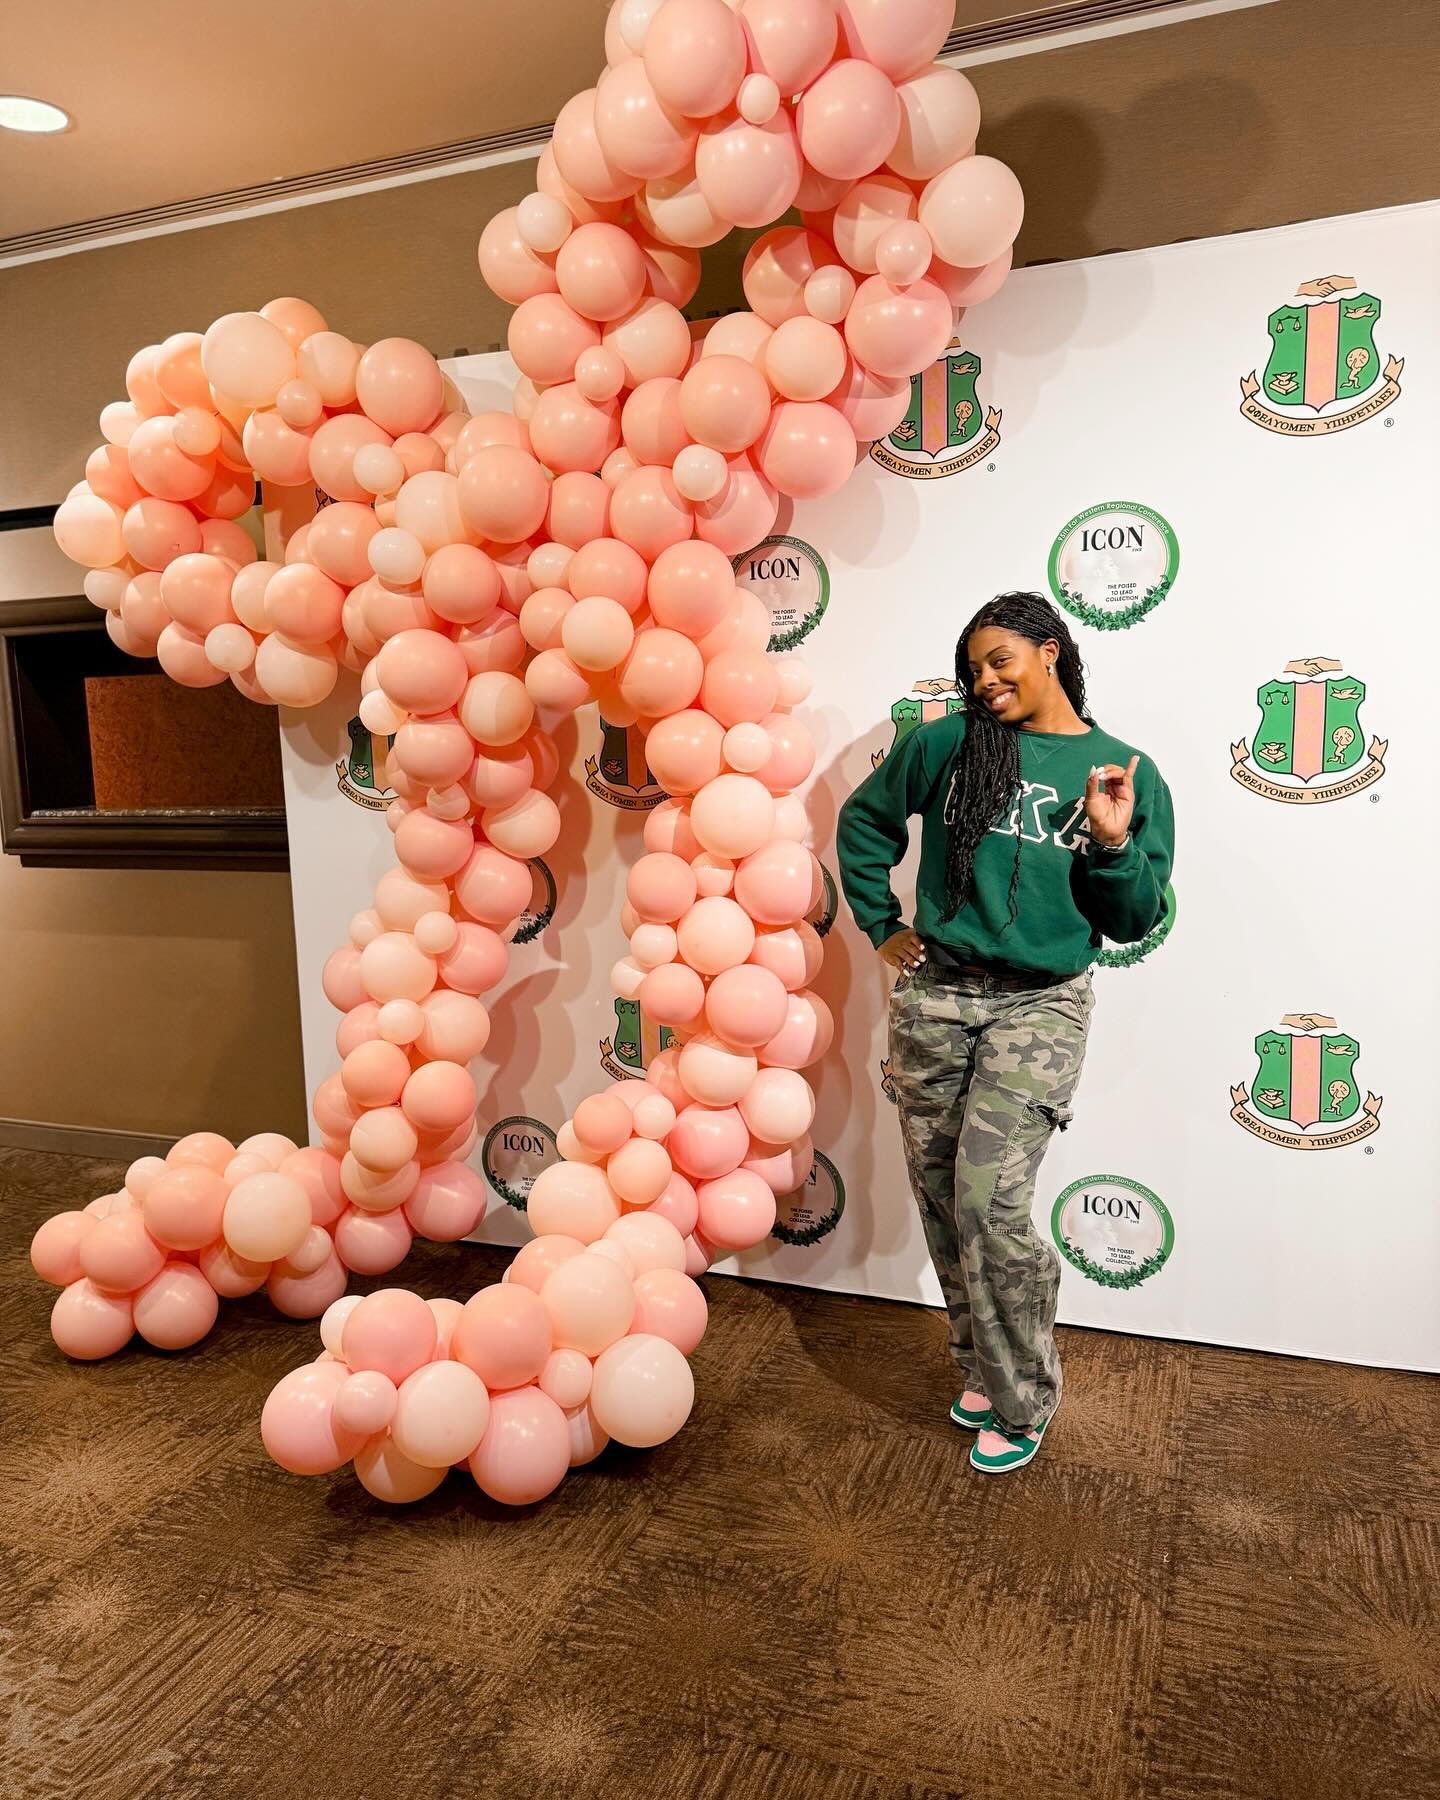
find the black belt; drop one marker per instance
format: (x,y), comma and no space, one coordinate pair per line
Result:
(941,962)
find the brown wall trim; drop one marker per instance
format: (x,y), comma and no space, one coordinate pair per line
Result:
(79,1140)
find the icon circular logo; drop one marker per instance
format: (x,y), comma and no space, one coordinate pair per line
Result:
(1115,1231)
(790,576)
(514,1153)
(1113,564)
(814,1209)
(541,910)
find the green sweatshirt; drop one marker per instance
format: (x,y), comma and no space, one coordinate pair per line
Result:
(1072,891)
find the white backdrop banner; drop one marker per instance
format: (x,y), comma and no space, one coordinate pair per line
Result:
(1253,1159)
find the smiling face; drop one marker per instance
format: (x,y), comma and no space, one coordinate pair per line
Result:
(1007,673)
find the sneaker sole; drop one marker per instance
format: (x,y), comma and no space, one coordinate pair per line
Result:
(970,1424)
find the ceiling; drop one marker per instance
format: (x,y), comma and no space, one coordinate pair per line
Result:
(171,100)
(175,103)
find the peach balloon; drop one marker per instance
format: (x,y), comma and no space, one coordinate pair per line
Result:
(672,994)
(504,1335)
(669,1305)
(737,1210)
(715,934)
(55,1248)
(707,1141)
(970,287)
(441,1414)
(247,358)
(639,1170)
(266,1216)
(590,1303)
(733,816)
(580,158)
(184,1206)
(791,41)
(715,1073)
(399,385)
(332,454)
(571,433)
(574,1199)
(525,1452)
(372,1243)
(694,52)
(638,132)
(503,493)
(973,211)
(939,122)
(724,402)
(684,750)
(536,1260)
(651,340)
(749,174)
(294,674)
(651,422)
(507,263)
(662,674)
(176,1307)
(742,514)
(298,1425)
(897,331)
(643,1391)
(676,210)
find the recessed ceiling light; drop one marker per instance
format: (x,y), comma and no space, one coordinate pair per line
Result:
(19,113)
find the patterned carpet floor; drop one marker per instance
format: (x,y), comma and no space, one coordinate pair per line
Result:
(1218,1581)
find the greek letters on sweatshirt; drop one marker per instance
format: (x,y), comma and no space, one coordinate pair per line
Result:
(1072,892)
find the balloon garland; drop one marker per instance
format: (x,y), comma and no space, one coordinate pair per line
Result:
(485,575)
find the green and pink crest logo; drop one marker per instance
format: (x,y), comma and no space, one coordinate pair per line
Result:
(946,429)
(1305,1094)
(362,770)
(1323,373)
(933,697)
(1309,747)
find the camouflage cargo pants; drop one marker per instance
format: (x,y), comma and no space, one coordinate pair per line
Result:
(984,1068)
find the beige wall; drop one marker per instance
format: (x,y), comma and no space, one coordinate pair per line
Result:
(165,1001)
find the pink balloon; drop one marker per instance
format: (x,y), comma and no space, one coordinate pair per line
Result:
(782,1167)
(749,174)
(663,672)
(399,384)
(969,287)
(589,1302)
(503,1335)
(714,1072)
(708,1141)
(805,1036)
(651,421)
(570,432)
(724,403)
(872,405)
(736,1210)
(534,1262)
(305,1293)
(848,119)
(300,600)
(648,514)
(439,1096)
(525,1452)
(651,340)
(694,52)
(298,1424)
(740,687)
(773,883)
(503,493)
(419,670)
(897,331)
(684,751)
(366,1403)
(118,1253)
(231,1276)
(668,1304)
(332,454)
(372,1243)
(672,994)
(384,1471)
(898,36)
(742,514)
(939,122)
(266,1216)
(806,358)
(155,532)
(602,1123)
(601,272)
(566,1378)
(441,1415)
(791,41)
(747,1004)
(319,1174)
(715,934)
(475,962)
(88,528)
(176,1307)
(573,1199)
(643,1391)
(580,158)
(87,1323)
(690,587)
(460,584)
(610,569)
(637,131)
(392,1331)
(587,1436)
(973,211)
(661,887)
(55,1248)
(510,268)
(867,211)
(247,358)
(675,211)
(184,1206)
(161,467)
(579,510)
(678,1205)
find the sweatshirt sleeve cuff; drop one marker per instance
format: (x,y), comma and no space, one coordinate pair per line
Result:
(1119,858)
(877,934)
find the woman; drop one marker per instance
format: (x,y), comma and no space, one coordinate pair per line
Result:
(1041,835)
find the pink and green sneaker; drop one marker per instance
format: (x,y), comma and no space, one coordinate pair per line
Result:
(997,1452)
(971,1411)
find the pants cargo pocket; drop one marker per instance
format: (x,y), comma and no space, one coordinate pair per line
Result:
(1035,1124)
